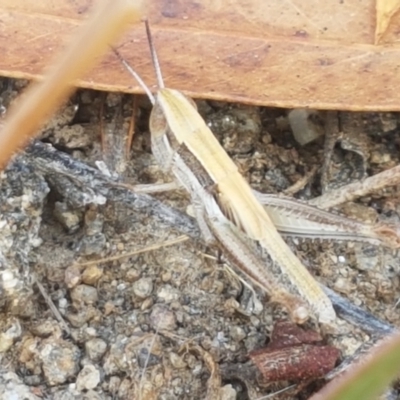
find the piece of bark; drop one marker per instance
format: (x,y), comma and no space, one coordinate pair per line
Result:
(294,354)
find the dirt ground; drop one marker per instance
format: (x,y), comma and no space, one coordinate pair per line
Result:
(171,322)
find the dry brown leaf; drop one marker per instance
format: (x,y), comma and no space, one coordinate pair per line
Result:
(385,10)
(288,53)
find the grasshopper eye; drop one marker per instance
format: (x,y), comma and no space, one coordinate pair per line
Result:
(158,123)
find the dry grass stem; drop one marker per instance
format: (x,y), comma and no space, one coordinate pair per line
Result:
(355,190)
(301,183)
(153,247)
(152,187)
(52,307)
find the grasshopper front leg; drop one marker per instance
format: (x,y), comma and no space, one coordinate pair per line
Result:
(162,145)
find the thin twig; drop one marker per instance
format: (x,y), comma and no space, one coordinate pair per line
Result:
(301,183)
(355,190)
(52,306)
(150,188)
(141,382)
(180,239)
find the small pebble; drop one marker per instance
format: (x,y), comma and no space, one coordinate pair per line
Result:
(60,361)
(161,318)
(368,258)
(77,320)
(8,337)
(69,219)
(166,276)
(255,321)
(218,287)
(113,384)
(95,349)
(304,127)
(368,289)
(90,331)
(88,378)
(92,244)
(177,386)
(12,387)
(379,157)
(94,221)
(146,304)
(5,342)
(84,294)
(72,276)
(343,286)
(206,343)
(192,361)
(109,308)
(132,275)
(227,392)
(143,288)
(237,333)
(92,274)
(177,361)
(231,305)
(168,294)
(389,122)
(45,328)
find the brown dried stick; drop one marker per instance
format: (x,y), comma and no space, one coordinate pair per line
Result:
(352,191)
(44,98)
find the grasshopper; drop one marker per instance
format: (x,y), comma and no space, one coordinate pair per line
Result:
(228,212)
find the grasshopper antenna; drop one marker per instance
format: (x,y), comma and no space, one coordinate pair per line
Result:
(135,75)
(154,57)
